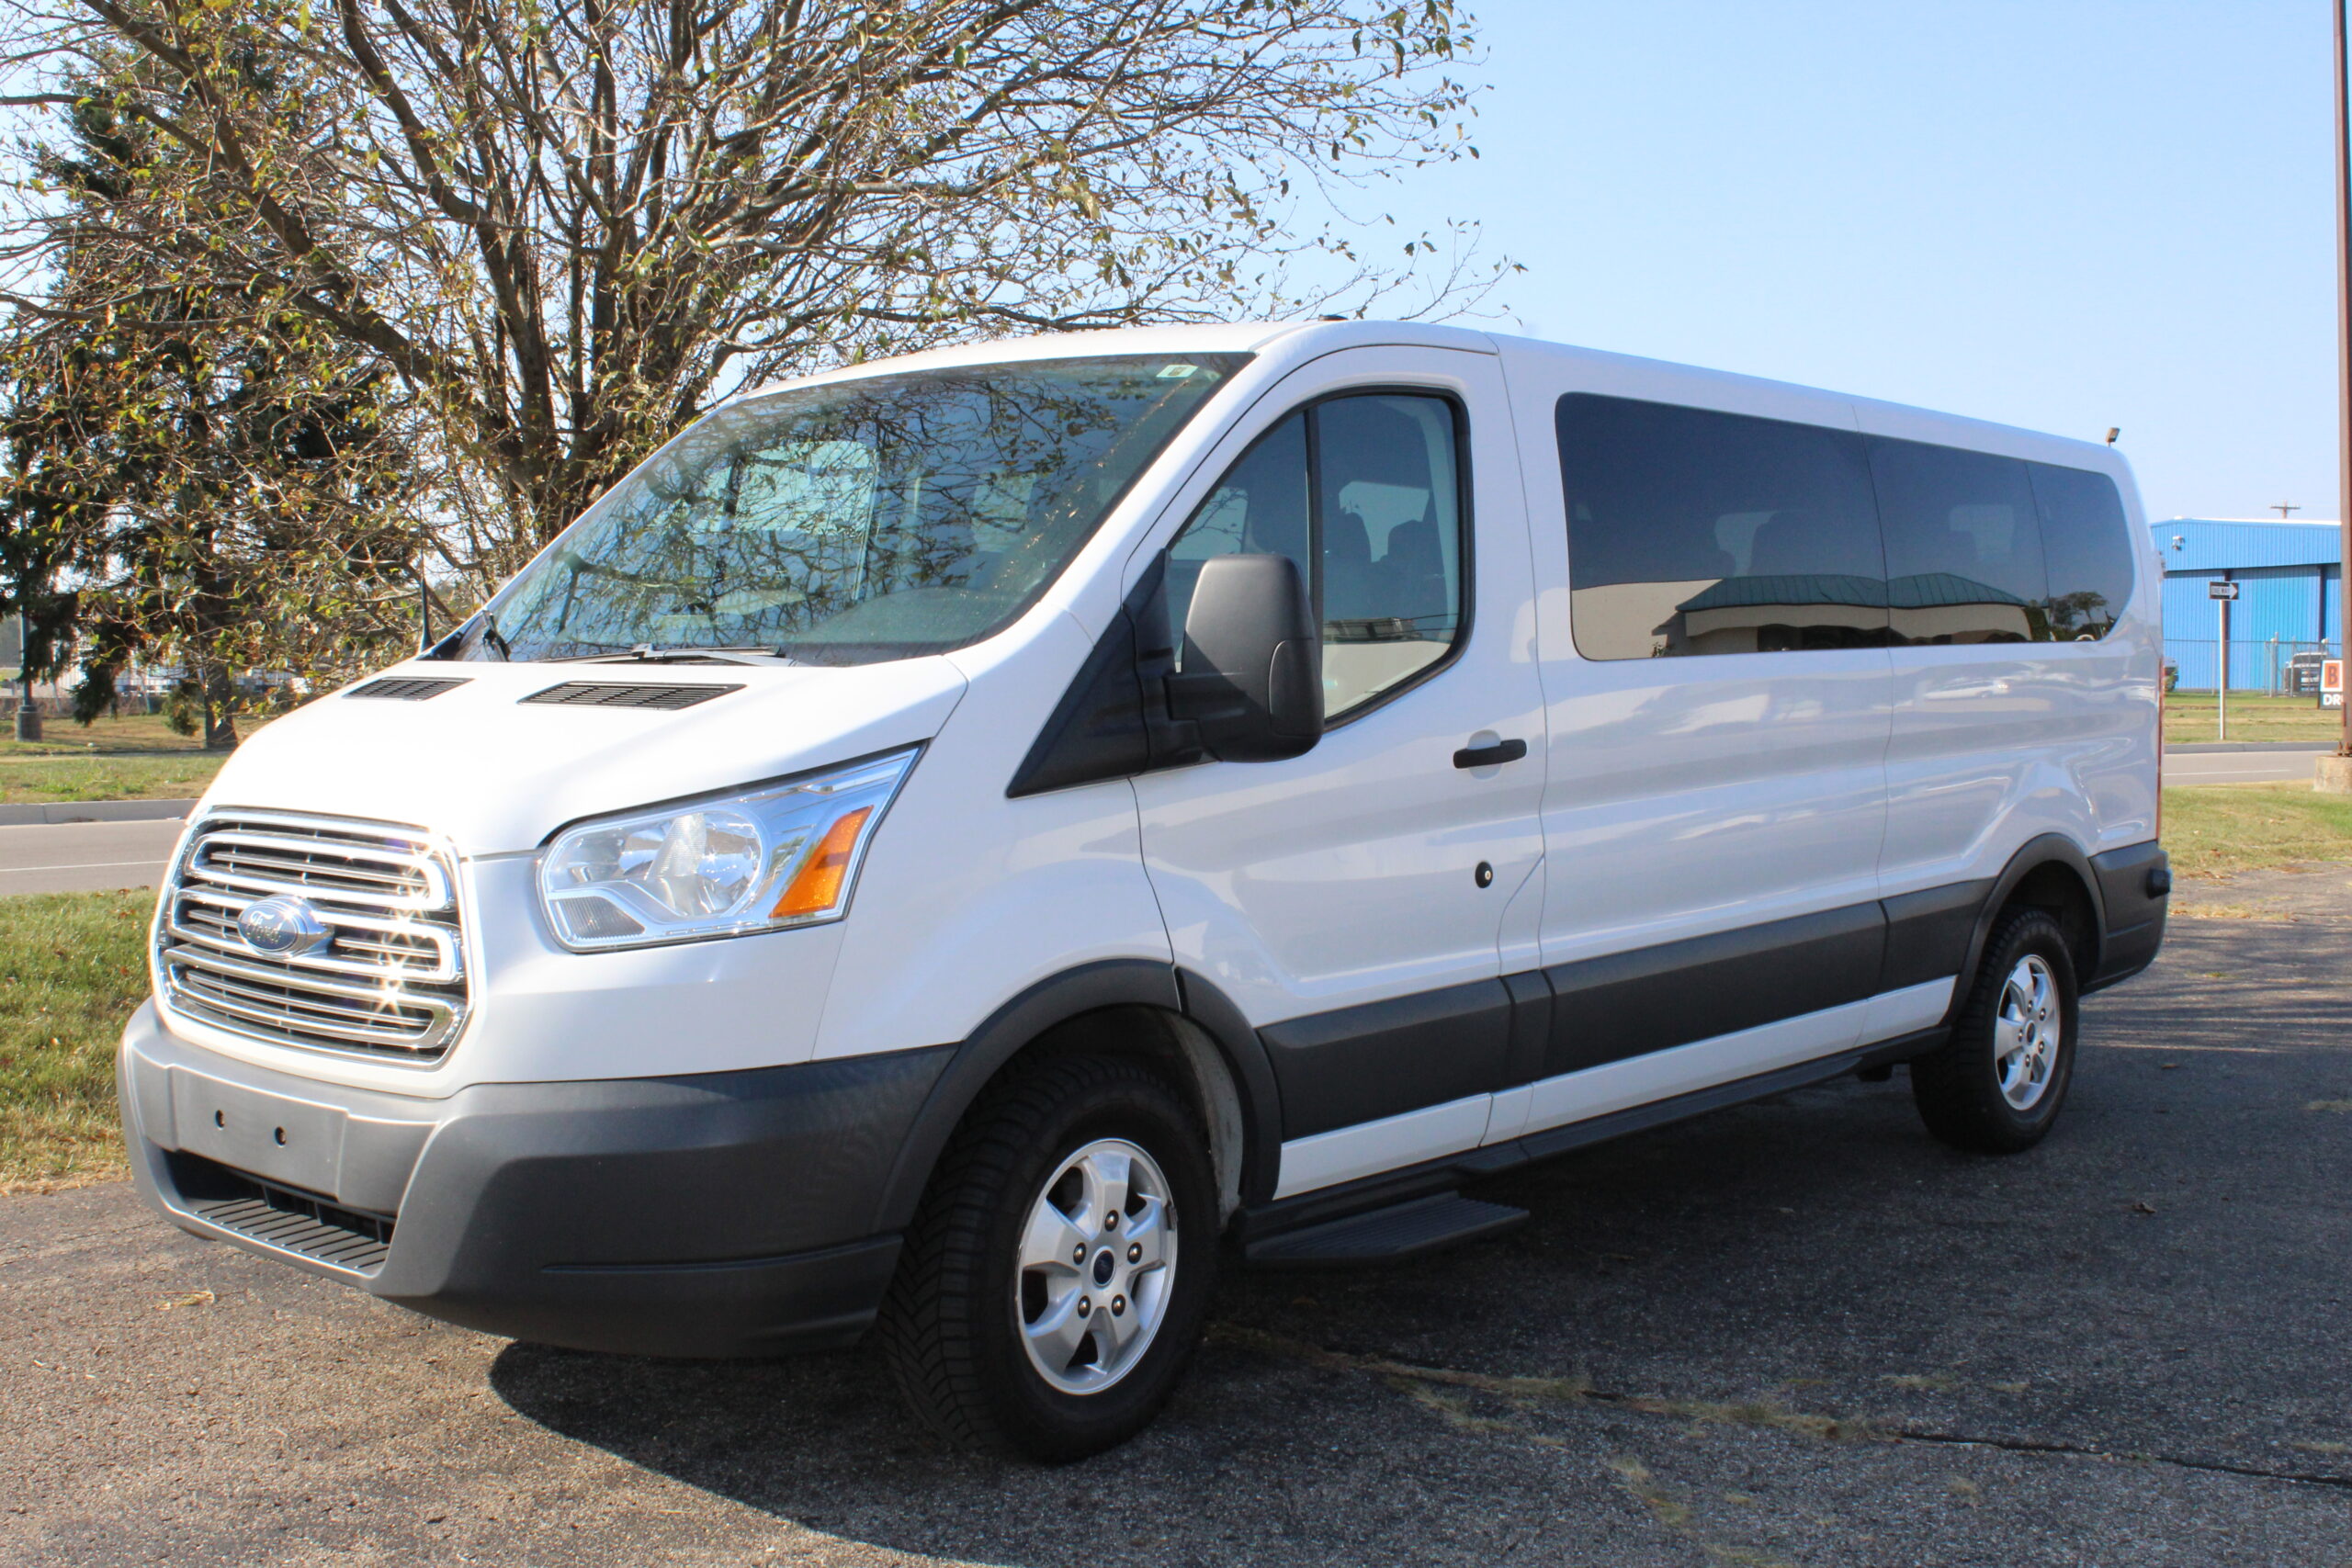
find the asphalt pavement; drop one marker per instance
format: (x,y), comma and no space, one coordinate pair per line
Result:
(1798,1333)
(2242,766)
(84,857)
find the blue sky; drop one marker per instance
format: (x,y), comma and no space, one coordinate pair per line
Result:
(2066,215)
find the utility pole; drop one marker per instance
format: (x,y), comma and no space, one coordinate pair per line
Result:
(2284,507)
(2338,778)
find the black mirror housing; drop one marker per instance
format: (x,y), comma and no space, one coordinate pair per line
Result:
(1253,672)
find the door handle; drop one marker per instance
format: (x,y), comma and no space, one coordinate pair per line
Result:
(1490,756)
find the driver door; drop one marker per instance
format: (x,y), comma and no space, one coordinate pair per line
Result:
(1352,901)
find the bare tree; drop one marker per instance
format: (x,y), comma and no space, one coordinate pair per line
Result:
(569,224)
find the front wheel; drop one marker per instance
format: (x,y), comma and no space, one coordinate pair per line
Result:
(1995,1087)
(1055,1277)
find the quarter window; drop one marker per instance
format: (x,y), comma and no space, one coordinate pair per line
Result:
(2087,544)
(1365,493)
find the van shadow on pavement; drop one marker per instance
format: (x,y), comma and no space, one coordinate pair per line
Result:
(1796,1332)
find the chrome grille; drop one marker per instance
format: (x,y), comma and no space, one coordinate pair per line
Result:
(389,979)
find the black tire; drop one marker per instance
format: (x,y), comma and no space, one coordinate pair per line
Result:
(949,1324)
(1958,1086)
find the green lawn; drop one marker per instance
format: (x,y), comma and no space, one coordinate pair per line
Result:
(2189,717)
(181,776)
(131,732)
(134,758)
(71,970)
(2211,829)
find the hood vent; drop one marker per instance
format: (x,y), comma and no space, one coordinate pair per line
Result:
(592,694)
(405,689)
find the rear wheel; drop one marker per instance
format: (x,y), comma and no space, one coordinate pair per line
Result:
(1056,1278)
(1996,1086)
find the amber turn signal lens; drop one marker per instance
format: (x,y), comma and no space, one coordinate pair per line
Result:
(818,887)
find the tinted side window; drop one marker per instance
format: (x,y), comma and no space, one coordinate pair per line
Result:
(1388,503)
(1693,531)
(1259,508)
(1365,493)
(2089,548)
(1964,545)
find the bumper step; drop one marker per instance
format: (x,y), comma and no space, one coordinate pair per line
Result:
(1385,1235)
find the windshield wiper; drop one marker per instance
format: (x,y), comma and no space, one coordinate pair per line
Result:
(681,653)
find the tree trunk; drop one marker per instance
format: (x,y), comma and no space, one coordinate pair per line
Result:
(220,693)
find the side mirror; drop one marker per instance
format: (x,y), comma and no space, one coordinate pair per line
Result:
(1252,673)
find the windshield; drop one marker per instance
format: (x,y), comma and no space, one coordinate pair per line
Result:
(854,521)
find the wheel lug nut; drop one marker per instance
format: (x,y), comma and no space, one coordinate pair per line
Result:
(1134,1254)
(1111,1221)
(1084,1306)
(1077,1253)
(1118,1305)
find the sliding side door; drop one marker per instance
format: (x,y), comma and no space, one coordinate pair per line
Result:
(1719,698)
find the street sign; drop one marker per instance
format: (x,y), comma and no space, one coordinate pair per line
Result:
(2220,590)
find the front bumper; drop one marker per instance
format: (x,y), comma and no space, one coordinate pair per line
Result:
(712,1214)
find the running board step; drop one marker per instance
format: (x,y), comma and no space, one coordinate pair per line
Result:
(1385,1235)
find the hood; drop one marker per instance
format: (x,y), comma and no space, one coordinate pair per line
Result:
(495,773)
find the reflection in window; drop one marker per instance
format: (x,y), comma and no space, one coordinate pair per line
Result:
(1695,532)
(2088,546)
(1364,494)
(1964,545)
(860,520)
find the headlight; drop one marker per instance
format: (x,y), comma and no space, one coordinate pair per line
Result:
(783,854)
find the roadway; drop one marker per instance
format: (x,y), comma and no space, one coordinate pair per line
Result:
(2237,766)
(84,857)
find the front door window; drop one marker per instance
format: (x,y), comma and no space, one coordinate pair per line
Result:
(1365,493)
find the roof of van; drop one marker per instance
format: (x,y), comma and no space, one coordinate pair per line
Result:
(1324,336)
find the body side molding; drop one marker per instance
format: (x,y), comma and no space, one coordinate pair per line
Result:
(1654,998)
(1263,1220)
(1379,1059)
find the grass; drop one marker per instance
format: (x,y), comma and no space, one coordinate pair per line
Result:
(136,757)
(2213,829)
(133,732)
(71,970)
(29,780)
(2189,717)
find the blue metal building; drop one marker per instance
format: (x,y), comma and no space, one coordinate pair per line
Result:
(2290,596)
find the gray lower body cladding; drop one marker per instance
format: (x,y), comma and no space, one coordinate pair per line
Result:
(719,1214)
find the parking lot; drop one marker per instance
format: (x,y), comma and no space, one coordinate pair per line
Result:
(1797,1333)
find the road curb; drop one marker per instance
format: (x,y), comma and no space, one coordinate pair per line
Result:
(93,811)
(2177,748)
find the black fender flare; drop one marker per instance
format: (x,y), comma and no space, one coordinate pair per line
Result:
(2048,849)
(1055,1000)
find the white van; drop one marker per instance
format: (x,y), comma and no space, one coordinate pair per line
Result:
(966,845)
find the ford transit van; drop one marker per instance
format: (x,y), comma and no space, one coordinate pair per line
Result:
(965,847)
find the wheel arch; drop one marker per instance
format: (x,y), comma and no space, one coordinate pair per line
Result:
(2048,873)
(1136,1007)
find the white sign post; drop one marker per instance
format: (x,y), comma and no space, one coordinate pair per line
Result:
(2221,591)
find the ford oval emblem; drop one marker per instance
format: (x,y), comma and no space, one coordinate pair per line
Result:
(284,926)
